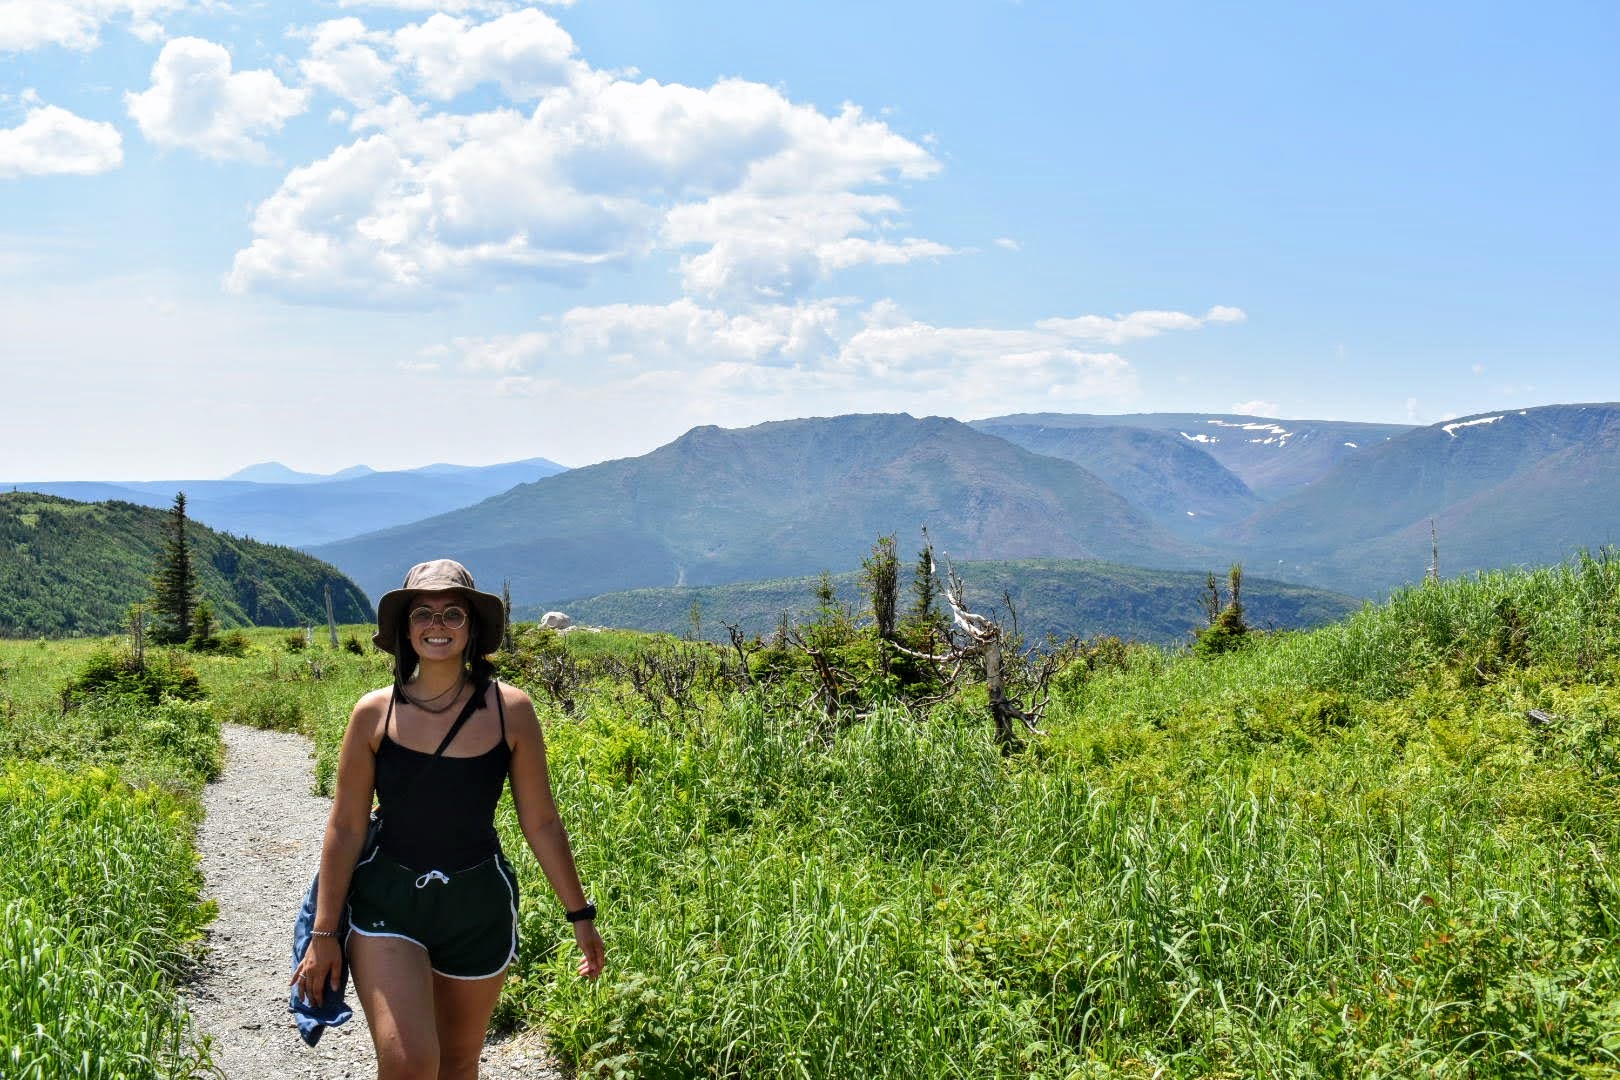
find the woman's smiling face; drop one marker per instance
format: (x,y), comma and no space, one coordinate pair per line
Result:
(436,630)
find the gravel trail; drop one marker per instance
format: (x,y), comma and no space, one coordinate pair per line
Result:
(260,841)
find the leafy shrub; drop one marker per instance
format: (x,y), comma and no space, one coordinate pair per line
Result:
(111,672)
(295,641)
(233,644)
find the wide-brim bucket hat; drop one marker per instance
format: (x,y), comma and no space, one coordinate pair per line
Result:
(440,575)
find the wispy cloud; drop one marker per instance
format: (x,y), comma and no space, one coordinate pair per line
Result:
(75,24)
(788,358)
(1119,329)
(1257,407)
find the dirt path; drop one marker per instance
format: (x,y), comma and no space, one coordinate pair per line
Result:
(260,841)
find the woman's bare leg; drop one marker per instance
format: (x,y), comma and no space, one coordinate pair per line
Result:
(395,983)
(462,1008)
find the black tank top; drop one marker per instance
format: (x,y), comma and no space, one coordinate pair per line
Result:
(443,818)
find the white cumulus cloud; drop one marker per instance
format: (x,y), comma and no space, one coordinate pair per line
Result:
(53,140)
(525,53)
(343,59)
(1256,408)
(197,102)
(74,24)
(758,198)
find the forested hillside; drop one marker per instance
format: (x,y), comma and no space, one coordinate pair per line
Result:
(1057,597)
(75,568)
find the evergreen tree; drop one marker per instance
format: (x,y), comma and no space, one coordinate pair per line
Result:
(925,625)
(925,587)
(1227,629)
(203,638)
(174,588)
(880,573)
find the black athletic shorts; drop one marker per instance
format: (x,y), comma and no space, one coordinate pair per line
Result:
(467,921)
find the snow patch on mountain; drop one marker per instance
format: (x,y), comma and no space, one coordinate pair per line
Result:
(1451,429)
(1278,435)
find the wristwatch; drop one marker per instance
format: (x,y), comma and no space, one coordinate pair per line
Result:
(584,914)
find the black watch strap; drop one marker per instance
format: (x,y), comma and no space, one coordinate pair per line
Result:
(584,914)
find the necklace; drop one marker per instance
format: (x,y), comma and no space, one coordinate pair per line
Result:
(428,704)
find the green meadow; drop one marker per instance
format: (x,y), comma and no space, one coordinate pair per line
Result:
(1383,848)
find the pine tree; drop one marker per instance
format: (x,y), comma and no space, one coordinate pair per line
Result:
(174,588)
(880,573)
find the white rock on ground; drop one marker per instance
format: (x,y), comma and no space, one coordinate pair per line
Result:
(260,841)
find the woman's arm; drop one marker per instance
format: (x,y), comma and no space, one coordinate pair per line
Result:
(542,828)
(346,827)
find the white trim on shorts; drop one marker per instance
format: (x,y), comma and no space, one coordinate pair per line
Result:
(373,934)
(511,954)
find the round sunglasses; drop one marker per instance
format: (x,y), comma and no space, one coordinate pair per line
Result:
(451,618)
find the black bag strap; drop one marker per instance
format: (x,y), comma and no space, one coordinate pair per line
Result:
(467,710)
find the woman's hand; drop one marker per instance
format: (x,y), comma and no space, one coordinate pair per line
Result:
(592,953)
(320,970)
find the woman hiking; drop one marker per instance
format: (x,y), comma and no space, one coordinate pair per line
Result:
(427,915)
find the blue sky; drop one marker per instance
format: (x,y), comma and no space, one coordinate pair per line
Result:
(390,234)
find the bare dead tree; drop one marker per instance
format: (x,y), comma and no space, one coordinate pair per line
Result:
(137,636)
(739,644)
(985,640)
(832,684)
(985,637)
(554,670)
(507,642)
(1434,553)
(667,677)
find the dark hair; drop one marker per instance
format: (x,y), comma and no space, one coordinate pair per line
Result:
(477,665)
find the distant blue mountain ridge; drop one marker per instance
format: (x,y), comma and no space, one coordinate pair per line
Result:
(283,506)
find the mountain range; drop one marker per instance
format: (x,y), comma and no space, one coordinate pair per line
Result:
(1521,486)
(1343,506)
(780,499)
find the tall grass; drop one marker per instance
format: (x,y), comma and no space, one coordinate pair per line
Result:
(1344,853)
(98,908)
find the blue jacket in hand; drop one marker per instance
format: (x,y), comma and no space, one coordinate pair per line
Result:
(313,1019)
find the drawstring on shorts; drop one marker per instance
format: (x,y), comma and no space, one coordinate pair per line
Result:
(430,877)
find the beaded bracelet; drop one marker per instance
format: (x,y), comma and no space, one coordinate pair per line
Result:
(324,933)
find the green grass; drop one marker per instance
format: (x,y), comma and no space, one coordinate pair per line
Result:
(98,911)
(1338,853)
